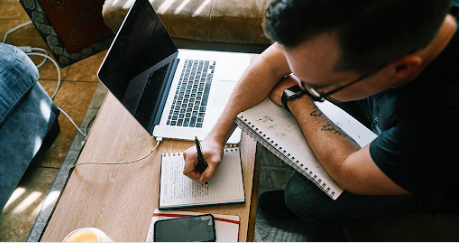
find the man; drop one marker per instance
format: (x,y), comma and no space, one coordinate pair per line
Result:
(394,65)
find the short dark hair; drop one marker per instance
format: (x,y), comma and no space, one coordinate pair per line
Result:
(371,33)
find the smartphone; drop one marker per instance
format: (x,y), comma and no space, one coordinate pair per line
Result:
(185,229)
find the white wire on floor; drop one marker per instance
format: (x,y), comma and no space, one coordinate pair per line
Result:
(58,71)
(15,28)
(58,87)
(66,115)
(41,50)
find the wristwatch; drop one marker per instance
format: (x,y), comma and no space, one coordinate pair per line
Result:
(290,94)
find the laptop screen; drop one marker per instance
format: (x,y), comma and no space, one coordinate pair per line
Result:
(137,66)
(141,42)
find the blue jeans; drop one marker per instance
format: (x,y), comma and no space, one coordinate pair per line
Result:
(27,114)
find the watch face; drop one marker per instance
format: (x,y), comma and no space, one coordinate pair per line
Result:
(290,94)
(293,91)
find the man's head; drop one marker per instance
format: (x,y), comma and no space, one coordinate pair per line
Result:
(358,36)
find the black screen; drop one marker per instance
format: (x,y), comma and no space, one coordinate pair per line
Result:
(199,228)
(141,42)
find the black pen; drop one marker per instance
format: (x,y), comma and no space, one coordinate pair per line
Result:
(200,157)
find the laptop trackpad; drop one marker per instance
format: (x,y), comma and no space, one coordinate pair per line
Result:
(224,90)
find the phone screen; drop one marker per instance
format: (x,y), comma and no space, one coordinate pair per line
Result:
(185,229)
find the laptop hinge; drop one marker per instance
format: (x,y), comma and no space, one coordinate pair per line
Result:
(166,91)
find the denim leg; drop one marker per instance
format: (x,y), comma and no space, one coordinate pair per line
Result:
(311,204)
(18,74)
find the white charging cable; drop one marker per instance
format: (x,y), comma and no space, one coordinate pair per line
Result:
(158,141)
(71,120)
(41,50)
(15,28)
(58,71)
(57,89)
(35,51)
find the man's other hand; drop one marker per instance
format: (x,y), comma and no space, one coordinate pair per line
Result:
(212,152)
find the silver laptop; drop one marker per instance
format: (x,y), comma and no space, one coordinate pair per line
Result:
(172,94)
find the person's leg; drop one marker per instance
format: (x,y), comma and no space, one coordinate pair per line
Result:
(307,201)
(323,215)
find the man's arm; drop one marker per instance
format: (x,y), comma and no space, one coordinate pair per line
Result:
(256,83)
(254,86)
(345,161)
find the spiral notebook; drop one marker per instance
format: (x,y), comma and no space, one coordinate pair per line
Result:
(179,191)
(278,131)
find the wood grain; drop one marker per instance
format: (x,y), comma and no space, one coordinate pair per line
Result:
(120,199)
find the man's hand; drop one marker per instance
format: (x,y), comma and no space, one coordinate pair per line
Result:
(287,82)
(212,152)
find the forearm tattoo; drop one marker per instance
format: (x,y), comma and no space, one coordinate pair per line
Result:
(329,125)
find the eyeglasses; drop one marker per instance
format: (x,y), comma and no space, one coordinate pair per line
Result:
(318,95)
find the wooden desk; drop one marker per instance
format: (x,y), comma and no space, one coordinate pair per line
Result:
(120,199)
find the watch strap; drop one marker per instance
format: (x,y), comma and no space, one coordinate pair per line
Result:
(285,97)
(284,101)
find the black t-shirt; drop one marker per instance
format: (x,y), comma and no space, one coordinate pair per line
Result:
(418,147)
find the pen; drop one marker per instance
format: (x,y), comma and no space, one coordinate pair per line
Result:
(200,157)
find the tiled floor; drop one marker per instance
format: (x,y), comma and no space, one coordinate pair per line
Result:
(79,84)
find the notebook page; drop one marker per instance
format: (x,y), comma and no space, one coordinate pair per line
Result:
(179,190)
(284,133)
(361,134)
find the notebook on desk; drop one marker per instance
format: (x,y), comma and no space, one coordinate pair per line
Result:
(172,93)
(178,191)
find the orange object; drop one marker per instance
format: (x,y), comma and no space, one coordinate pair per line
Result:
(87,235)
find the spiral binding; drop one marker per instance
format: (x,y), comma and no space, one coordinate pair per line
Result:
(169,154)
(227,148)
(258,135)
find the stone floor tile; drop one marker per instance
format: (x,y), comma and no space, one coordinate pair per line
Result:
(12,9)
(86,70)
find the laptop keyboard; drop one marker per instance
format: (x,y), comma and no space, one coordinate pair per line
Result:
(151,93)
(190,101)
